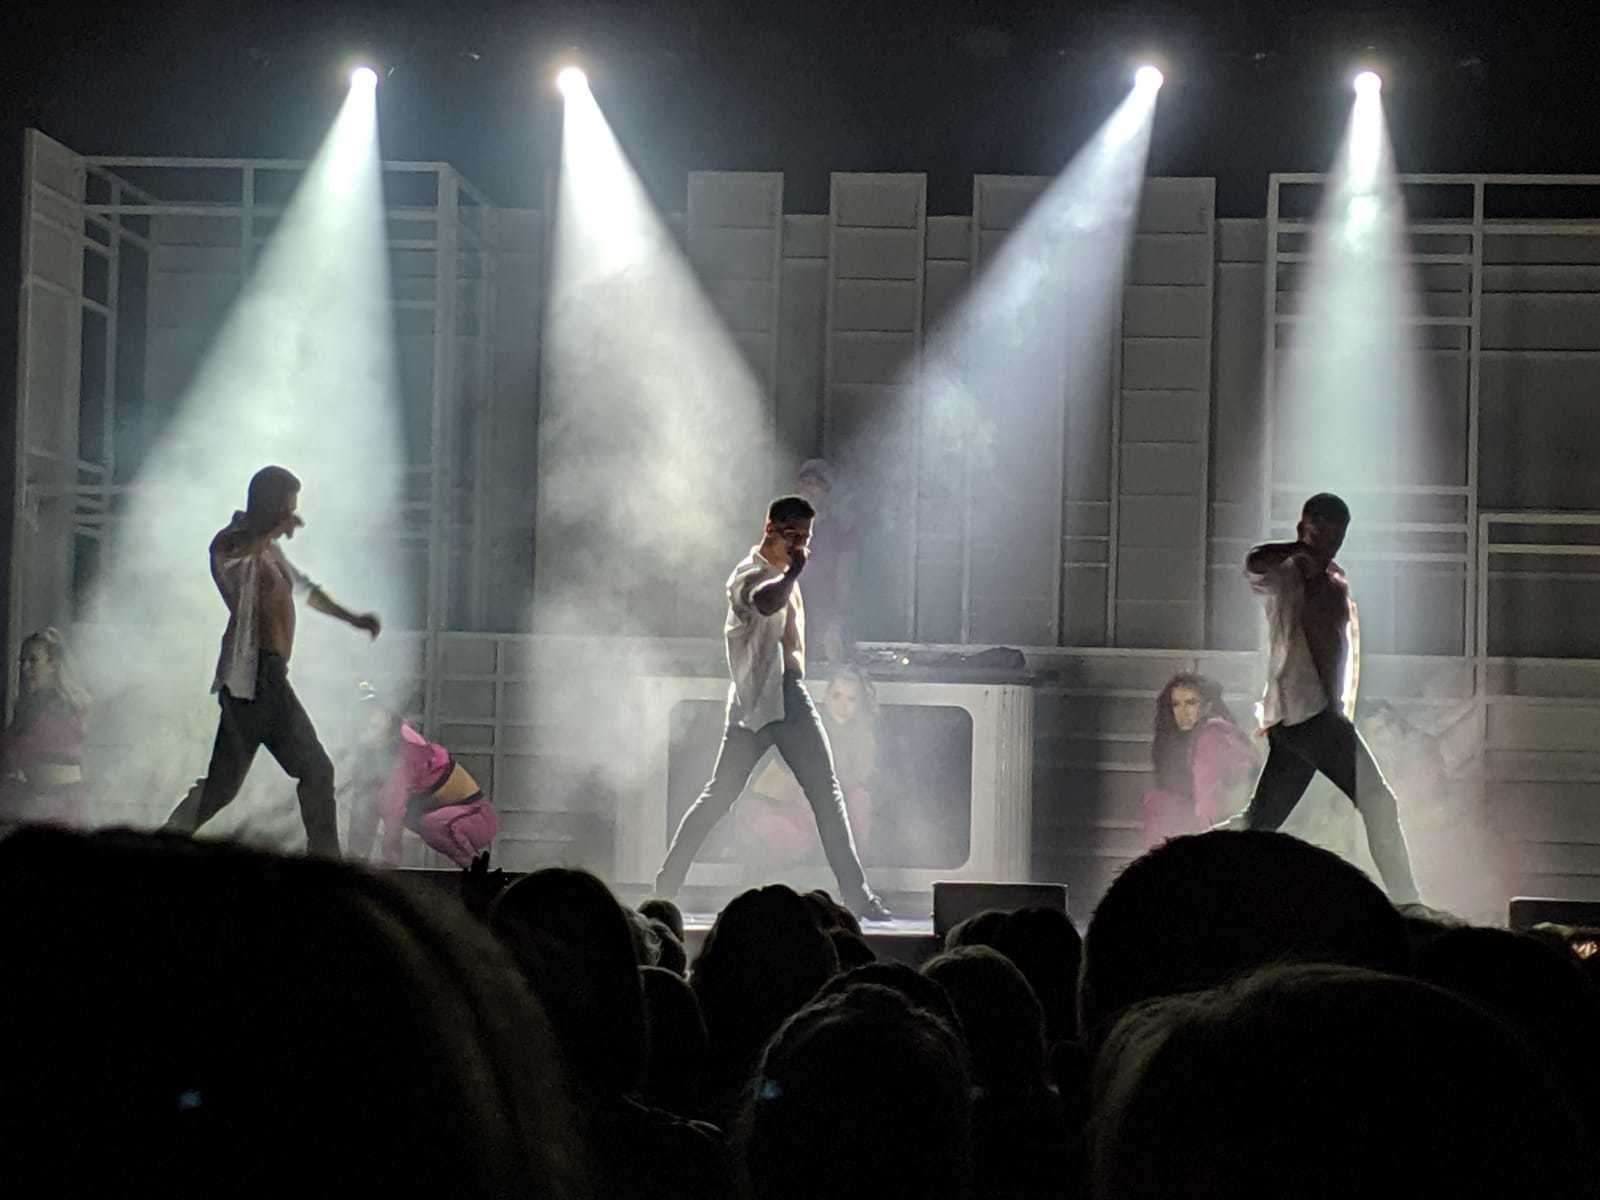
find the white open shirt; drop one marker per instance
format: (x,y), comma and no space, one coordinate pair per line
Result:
(238,578)
(1295,691)
(755,642)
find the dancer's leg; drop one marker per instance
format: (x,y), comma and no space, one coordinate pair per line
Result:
(1283,780)
(294,743)
(741,750)
(239,729)
(1344,757)
(460,832)
(803,743)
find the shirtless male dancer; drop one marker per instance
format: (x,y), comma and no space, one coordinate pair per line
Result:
(259,708)
(765,633)
(1313,663)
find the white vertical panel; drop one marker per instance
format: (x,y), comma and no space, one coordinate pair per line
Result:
(734,229)
(941,486)
(877,236)
(49,376)
(1016,508)
(1164,418)
(803,317)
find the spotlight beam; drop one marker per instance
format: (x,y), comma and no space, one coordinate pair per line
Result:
(1351,405)
(300,371)
(1021,364)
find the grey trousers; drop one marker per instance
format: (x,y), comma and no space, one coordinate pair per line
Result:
(802,741)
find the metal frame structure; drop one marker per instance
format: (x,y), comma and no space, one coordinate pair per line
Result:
(461,240)
(1487,547)
(84,234)
(1472,557)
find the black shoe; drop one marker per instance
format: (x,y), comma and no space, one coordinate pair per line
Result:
(874,909)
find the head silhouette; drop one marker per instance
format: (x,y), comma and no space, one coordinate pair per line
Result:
(666,912)
(1197,911)
(763,960)
(574,943)
(1326,1082)
(919,991)
(859,1095)
(191,1008)
(677,1041)
(1539,990)
(1001,1021)
(1045,946)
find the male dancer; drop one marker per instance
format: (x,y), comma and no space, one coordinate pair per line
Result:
(765,633)
(259,708)
(1313,662)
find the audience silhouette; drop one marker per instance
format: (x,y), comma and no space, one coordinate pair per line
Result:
(1246,1016)
(1324,1082)
(860,1094)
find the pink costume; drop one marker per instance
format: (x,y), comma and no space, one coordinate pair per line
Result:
(45,732)
(459,831)
(1221,762)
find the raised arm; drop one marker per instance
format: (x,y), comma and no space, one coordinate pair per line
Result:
(1264,557)
(771,596)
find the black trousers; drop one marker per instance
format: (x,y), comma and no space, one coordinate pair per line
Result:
(802,741)
(274,719)
(1330,743)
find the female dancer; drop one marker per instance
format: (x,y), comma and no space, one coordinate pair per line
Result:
(417,785)
(41,751)
(1204,763)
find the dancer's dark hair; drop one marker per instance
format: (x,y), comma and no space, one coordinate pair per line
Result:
(1325,506)
(1169,751)
(270,489)
(790,508)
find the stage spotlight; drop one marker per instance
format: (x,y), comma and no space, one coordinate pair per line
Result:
(364,77)
(1368,83)
(1148,77)
(570,80)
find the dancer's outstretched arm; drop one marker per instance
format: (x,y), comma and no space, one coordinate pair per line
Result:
(323,603)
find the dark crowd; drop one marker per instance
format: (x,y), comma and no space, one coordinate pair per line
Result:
(1245,1015)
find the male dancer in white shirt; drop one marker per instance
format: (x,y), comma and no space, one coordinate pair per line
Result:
(259,708)
(765,633)
(1313,663)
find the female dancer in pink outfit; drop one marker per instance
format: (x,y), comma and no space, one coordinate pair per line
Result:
(1204,763)
(424,790)
(41,751)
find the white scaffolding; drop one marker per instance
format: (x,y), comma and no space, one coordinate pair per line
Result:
(80,211)
(1454,249)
